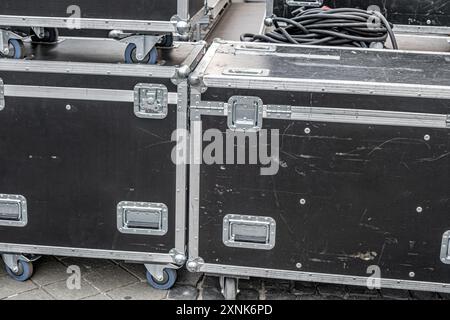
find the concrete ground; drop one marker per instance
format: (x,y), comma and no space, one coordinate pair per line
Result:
(111,280)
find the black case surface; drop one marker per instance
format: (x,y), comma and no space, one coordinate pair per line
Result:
(408,12)
(99,9)
(75,165)
(362,185)
(373,194)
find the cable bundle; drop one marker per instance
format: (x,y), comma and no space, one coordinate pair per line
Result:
(331,27)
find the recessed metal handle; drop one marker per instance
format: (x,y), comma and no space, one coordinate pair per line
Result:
(13,210)
(242,232)
(445,248)
(142,218)
(251,232)
(2,95)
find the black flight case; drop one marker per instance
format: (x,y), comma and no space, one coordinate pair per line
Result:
(425,16)
(141,24)
(88,165)
(321,164)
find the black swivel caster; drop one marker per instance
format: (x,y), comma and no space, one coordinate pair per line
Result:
(50,35)
(166,41)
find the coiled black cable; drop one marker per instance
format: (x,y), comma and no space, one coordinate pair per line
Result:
(332,27)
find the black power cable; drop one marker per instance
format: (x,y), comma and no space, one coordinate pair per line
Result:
(331,27)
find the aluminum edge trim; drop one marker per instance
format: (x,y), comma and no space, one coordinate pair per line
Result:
(86,253)
(109,69)
(223,42)
(73,93)
(88,23)
(329,86)
(237,271)
(181,173)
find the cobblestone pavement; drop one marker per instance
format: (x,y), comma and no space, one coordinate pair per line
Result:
(110,280)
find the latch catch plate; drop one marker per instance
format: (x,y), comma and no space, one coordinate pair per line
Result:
(245,113)
(151,101)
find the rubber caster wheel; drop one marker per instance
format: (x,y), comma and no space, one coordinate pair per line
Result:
(16,49)
(24,273)
(169,279)
(130,55)
(166,41)
(229,288)
(51,35)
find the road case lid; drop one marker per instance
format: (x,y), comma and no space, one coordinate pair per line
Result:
(101,50)
(326,69)
(101,56)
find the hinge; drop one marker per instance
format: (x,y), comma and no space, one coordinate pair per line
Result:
(278,111)
(250,72)
(151,101)
(448,121)
(258,47)
(2,95)
(245,113)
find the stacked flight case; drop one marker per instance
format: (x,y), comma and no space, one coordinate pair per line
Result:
(87,159)
(141,24)
(321,164)
(413,12)
(419,25)
(427,15)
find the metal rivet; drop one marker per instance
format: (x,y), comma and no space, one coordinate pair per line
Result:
(419,209)
(307,130)
(412,274)
(299,265)
(302,202)
(68,107)
(427,137)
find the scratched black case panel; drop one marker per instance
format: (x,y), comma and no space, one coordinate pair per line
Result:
(410,12)
(195,6)
(74,166)
(98,9)
(362,185)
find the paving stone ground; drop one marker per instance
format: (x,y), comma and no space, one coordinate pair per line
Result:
(111,280)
